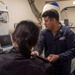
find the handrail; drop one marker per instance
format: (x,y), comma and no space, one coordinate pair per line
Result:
(35,11)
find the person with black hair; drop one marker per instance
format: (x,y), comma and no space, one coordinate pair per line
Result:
(58,43)
(18,60)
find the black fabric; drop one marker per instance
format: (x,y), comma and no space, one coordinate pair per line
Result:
(13,63)
(43,62)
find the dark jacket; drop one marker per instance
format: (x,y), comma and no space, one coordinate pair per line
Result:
(14,63)
(63,44)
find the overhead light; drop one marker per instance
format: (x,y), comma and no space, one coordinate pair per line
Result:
(73,2)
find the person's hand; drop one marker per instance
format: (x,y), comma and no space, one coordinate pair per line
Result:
(34,53)
(53,57)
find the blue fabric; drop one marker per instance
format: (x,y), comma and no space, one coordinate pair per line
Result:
(63,44)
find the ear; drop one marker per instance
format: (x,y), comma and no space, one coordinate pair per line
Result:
(54,20)
(13,39)
(14,42)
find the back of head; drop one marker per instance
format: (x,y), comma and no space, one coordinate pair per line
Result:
(26,36)
(52,13)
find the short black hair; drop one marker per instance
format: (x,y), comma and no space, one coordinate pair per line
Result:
(52,13)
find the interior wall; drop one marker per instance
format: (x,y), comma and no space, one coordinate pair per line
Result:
(63,4)
(20,10)
(71,15)
(40,4)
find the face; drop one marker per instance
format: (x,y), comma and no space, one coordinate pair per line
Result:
(48,23)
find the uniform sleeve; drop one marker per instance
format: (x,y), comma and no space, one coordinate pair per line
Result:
(70,46)
(40,45)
